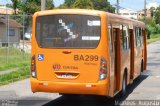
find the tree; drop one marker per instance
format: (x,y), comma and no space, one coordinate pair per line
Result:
(83,4)
(103,5)
(152,9)
(31,6)
(157,15)
(14,5)
(69,3)
(49,4)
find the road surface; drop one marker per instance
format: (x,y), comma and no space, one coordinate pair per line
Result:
(147,87)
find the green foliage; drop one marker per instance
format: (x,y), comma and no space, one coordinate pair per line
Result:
(157,29)
(15,61)
(69,3)
(13,65)
(29,7)
(15,58)
(15,4)
(83,4)
(153,24)
(154,38)
(157,15)
(150,22)
(103,5)
(152,10)
(49,4)
(152,27)
(21,73)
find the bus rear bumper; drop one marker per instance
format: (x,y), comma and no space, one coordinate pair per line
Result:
(100,88)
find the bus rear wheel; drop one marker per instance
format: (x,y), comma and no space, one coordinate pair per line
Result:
(142,67)
(124,85)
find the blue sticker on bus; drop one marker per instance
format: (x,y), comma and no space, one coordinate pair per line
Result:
(40,57)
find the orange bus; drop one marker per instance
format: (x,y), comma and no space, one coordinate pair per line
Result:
(76,51)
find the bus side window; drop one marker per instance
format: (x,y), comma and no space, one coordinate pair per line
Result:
(136,36)
(142,37)
(134,31)
(110,38)
(139,40)
(124,37)
(128,38)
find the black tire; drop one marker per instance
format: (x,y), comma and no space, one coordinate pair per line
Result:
(124,85)
(69,95)
(141,70)
(142,67)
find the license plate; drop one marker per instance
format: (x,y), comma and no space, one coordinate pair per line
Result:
(66,76)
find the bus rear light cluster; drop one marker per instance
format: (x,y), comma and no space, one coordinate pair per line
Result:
(33,66)
(103,69)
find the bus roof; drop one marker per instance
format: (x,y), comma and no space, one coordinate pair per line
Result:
(69,11)
(117,18)
(111,17)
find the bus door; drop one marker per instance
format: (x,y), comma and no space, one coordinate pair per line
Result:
(116,59)
(137,52)
(112,56)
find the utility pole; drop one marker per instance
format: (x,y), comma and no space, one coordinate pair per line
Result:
(117,6)
(145,11)
(43,5)
(145,14)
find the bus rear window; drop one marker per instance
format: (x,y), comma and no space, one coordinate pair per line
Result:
(68,31)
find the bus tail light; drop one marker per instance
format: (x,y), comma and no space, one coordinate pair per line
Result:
(103,69)
(33,66)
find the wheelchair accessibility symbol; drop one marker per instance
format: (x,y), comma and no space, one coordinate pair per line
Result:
(40,57)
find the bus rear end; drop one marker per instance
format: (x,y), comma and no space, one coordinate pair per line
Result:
(67,54)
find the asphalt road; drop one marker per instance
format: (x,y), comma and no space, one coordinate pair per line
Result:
(147,87)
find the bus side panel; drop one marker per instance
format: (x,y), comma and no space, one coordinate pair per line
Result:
(34,44)
(145,50)
(125,64)
(137,61)
(105,51)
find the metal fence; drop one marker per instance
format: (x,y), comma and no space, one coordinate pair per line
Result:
(15,38)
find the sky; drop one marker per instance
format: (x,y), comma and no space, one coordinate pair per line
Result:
(132,4)
(56,2)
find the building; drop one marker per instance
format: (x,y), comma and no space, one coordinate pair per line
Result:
(9,33)
(141,14)
(148,12)
(128,13)
(5,10)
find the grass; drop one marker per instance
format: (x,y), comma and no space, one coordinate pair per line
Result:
(154,38)
(13,65)
(21,73)
(12,58)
